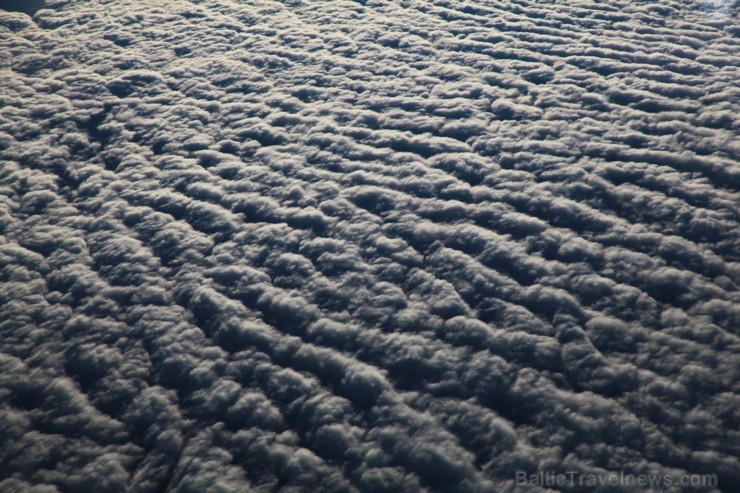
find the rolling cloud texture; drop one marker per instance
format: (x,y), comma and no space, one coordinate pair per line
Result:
(367,246)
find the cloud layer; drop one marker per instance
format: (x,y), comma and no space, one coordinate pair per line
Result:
(367,246)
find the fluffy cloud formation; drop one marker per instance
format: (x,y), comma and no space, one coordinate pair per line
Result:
(367,246)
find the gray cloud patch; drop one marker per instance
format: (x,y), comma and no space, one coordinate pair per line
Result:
(367,246)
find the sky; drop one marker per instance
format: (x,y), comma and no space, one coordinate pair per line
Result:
(368,246)
(26,6)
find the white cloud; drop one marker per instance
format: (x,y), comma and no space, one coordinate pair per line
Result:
(366,246)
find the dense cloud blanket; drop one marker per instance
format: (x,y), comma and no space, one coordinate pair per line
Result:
(367,246)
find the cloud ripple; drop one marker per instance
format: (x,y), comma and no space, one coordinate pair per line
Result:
(367,246)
